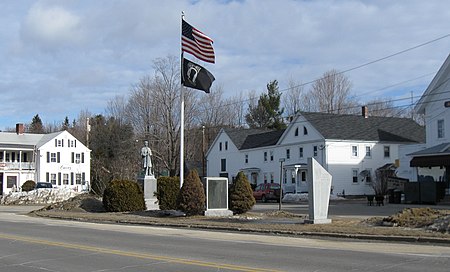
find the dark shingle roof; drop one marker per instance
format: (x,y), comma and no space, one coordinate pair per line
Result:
(373,128)
(253,138)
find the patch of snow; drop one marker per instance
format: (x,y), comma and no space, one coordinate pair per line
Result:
(304,197)
(38,196)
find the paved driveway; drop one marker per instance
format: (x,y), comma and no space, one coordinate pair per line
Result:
(346,208)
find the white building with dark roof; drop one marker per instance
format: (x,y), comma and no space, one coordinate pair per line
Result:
(57,157)
(350,147)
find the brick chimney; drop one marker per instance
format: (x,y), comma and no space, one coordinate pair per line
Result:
(20,129)
(365,112)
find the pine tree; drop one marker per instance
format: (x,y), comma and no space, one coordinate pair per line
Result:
(36,125)
(241,195)
(191,199)
(267,112)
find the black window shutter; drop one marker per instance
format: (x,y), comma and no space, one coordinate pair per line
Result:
(73,157)
(58,157)
(56,143)
(82,157)
(59,178)
(48,156)
(71,178)
(47,177)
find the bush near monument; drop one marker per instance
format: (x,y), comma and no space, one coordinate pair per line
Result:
(123,196)
(167,191)
(241,195)
(28,185)
(191,199)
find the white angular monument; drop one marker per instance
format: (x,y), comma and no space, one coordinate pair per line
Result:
(319,193)
(217,197)
(149,179)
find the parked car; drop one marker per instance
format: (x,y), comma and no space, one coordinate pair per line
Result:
(267,191)
(47,185)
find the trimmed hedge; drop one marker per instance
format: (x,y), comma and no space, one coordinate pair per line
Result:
(191,199)
(123,196)
(167,191)
(28,185)
(241,195)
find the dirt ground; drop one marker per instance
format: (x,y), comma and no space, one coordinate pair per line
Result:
(410,225)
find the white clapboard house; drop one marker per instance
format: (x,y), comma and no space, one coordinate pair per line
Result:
(57,157)
(431,161)
(349,147)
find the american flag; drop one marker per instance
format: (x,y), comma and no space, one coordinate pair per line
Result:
(194,42)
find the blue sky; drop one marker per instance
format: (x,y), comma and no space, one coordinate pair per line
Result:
(61,57)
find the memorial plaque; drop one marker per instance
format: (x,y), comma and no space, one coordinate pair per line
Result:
(217,194)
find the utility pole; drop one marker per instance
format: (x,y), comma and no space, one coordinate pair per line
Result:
(281,182)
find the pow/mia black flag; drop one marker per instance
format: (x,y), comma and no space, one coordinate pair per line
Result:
(195,76)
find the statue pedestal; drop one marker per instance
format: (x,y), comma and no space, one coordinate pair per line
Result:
(149,193)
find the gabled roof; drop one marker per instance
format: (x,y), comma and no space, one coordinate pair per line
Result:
(26,139)
(253,138)
(373,128)
(441,78)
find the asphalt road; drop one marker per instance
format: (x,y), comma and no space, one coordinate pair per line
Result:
(36,244)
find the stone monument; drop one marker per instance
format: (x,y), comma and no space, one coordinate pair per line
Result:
(217,197)
(319,193)
(149,178)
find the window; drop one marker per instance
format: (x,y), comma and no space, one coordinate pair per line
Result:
(265,156)
(300,152)
(440,129)
(354,151)
(368,152)
(59,143)
(78,178)
(355,175)
(369,175)
(220,146)
(315,151)
(226,145)
(293,177)
(77,158)
(65,179)
(52,157)
(303,176)
(296,132)
(271,155)
(305,131)
(387,151)
(271,178)
(223,165)
(246,158)
(7,157)
(265,178)
(288,154)
(53,178)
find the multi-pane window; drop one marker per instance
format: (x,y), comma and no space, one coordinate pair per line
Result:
(220,146)
(288,154)
(369,175)
(368,151)
(355,175)
(271,155)
(354,151)
(265,156)
(226,145)
(65,179)
(271,178)
(300,152)
(315,151)
(440,129)
(387,151)
(53,178)
(77,158)
(78,178)
(246,158)
(52,157)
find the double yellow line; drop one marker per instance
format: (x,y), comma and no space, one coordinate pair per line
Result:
(134,254)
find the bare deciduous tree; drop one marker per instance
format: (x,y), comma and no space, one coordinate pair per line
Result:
(331,94)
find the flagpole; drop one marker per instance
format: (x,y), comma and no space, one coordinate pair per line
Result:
(182,120)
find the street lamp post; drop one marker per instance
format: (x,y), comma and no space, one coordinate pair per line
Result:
(281,183)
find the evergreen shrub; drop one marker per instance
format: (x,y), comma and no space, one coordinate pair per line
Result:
(28,185)
(123,196)
(167,191)
(241,195)
(191,199)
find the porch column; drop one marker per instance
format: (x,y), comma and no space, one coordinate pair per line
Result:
(19,158)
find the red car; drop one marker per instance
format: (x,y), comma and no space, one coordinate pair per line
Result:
(267,191)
